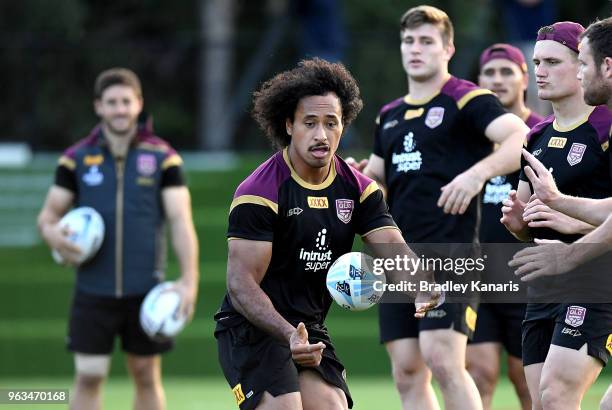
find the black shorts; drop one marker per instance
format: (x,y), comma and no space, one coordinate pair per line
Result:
(500,323)
(254,362)
(397,321)
(96,320)
(567,325)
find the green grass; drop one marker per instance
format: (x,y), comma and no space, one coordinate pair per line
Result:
(37,293)
(213,394)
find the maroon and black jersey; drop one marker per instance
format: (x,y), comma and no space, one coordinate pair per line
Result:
(495,191)
(425,144)
(577,156)
(309,226)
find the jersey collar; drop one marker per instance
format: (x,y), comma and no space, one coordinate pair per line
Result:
(327,182)
(573,126)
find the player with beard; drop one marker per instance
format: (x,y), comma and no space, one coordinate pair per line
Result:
(503,70)
(573,143)
(554,257)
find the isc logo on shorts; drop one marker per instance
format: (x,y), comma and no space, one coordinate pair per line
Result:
(318,202)
(609,344)
(238,394)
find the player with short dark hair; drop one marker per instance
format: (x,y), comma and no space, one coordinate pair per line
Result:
(433,152)
(289,220)
(503,70)
(573,143)
(134,179)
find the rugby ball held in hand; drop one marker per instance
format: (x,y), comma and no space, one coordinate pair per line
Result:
(160,313)
(86,230)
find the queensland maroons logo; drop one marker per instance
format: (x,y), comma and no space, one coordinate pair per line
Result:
(344,209)
(435,115)
(576,153)
(146,164)
(575,315)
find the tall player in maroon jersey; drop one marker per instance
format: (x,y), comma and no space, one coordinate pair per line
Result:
(433,152)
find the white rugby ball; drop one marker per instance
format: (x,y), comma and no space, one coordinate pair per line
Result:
(86,228)
(160,315)
(352,283)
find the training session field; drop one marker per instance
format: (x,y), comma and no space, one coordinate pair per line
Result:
(36,294)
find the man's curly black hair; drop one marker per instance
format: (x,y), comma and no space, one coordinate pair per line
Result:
(277,99)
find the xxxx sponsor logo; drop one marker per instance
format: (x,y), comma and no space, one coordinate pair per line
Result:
(557,142)
(318,202)
(238,395)
(410,114)
(93,160)
(609,344)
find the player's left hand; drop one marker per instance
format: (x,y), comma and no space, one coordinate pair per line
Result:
(548,258)
(189,295)
(457,195)
(426,301)
(541,179)
(539,215)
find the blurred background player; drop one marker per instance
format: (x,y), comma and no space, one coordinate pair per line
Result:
(573,142)
(134,179)
(433,153)
(274,348)
(503,70)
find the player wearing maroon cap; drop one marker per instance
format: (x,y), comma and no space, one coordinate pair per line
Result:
(503,70)
(433,152)
(572,142)
(595,75)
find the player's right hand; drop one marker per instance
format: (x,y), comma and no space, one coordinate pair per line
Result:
(426,301)
(359,166)
(302,352)
(512,213)
(57,238)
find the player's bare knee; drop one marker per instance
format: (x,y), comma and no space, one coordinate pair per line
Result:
(88,381)
(144,371)
(444,371)
(410,375)
(484,376)
(555,394)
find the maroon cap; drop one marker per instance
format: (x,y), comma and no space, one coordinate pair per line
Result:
(564,32)
(505,51)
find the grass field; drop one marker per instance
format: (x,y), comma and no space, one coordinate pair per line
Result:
(191,393)
(36,295)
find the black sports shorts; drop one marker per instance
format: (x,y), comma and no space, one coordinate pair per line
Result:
(500,323)
(397,321)
(254,362)
(567,325)
(96,320)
